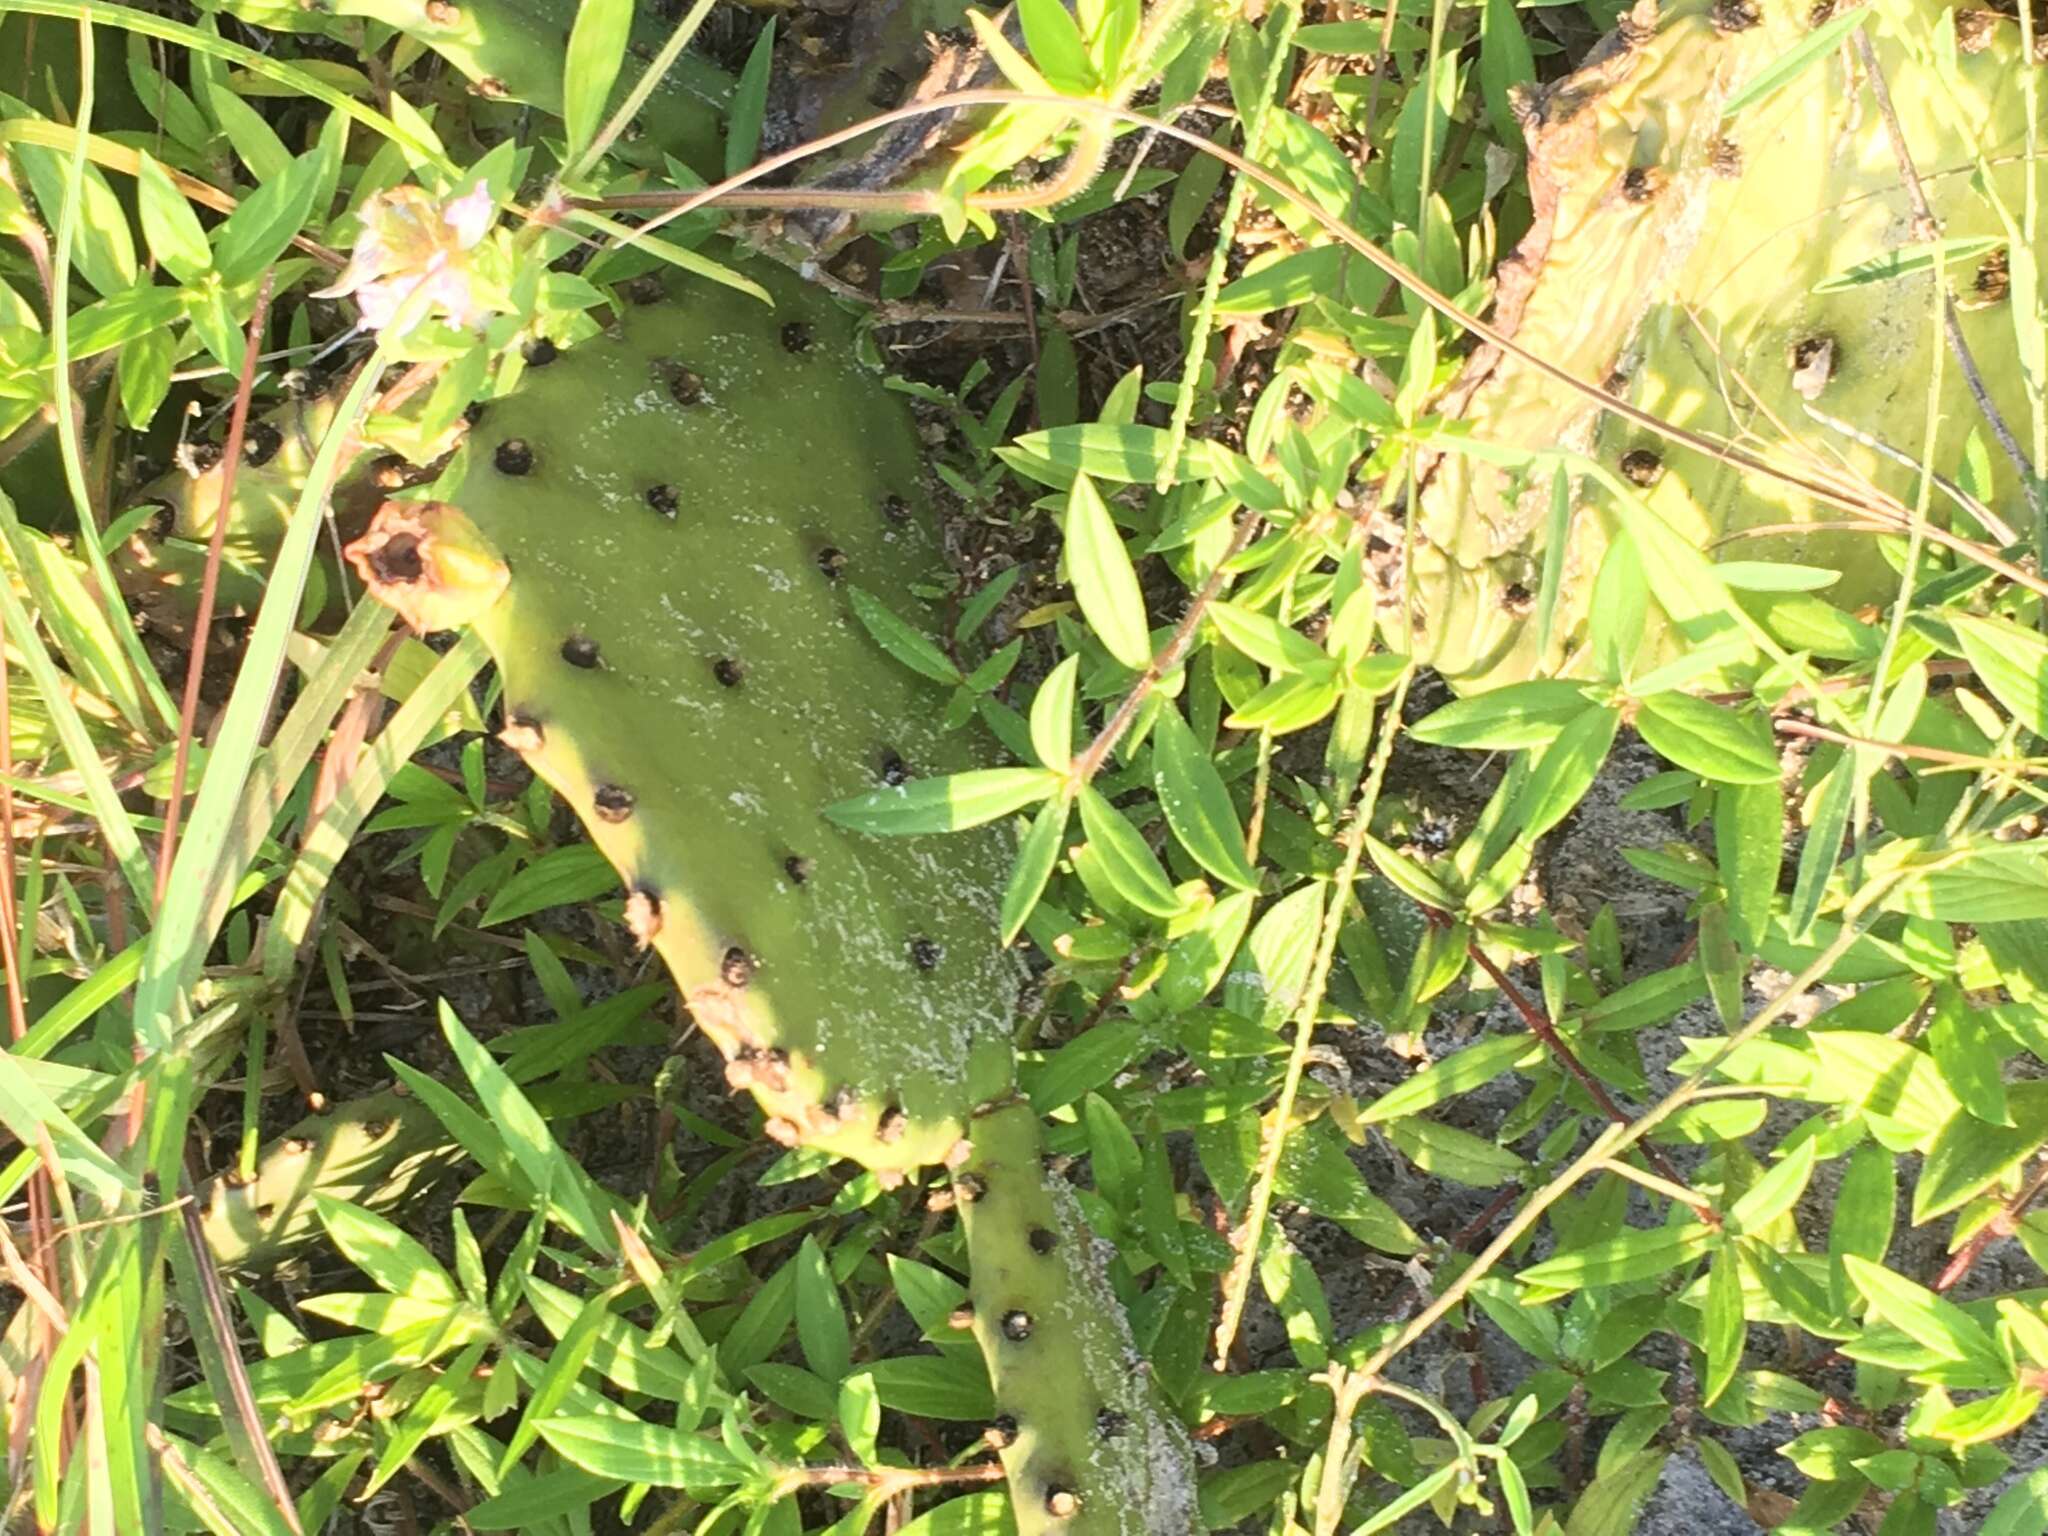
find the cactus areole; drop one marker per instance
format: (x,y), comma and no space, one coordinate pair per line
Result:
(656,534)
(1692,259)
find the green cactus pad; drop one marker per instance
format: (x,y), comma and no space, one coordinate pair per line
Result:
(375,1151)
(1089,1448)
(683,505)
(1674,255)
(514,50)
(161,564)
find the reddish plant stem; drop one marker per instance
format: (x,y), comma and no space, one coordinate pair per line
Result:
(195,668)
(1541,1027)
(42,1226)
(1889,748)
(2004,1224)
(242,1397)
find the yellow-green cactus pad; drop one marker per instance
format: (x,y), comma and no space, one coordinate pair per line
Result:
(1675,257)
(683,506)
(375,1151)
(1088,1447)
(161,564)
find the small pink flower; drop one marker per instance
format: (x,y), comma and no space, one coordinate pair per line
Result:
(412,257)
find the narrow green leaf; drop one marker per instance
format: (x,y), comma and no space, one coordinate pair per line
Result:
(2010,661)
(1267,641)
(397,1262)
(1888,266)
(257,232)
(1716,743)
(1084,1063)
(1052,715)
(1636,1253)
(558,1181)
(1777,1191)
(1557,783)
(425,1415)
(1478,1063)
(1520,715)
(1133,868)
(908,644)
(1795,61)
(563,1373)
(169,225)
(1036,856)
(1105,584)
(1749,849)
(750,103)
(1197,803)
(26,1109)
(820,1315)
(634,1451)
(949,804)
(1724,1323)
(559,877)
(2022,1510)
(1932,1321)
(1823,845)
(1055,44)
(597,46)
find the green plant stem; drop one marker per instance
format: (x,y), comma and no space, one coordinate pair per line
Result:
(1352,1387)
(1279,36)
(1251,1231)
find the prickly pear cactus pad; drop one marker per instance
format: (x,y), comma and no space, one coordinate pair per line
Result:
(514,51)
(1088,1448)
(1675,255)
(657,535)
(161,564)
(378,1151)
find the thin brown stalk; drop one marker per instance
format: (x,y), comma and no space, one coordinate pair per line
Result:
(1909,749)
(1090,762)
(209,585)
(894,1479)
(1541,1027)
(242,1396)
(2003,1225)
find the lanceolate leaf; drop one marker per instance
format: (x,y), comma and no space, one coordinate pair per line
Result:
(1035,858)
(1724,1322)
(1104,583)
(1126,857)
(597,45)
(1520,715)
(1052,715)
(949,804)
(2011,662)
(1930,1320)
(1196,802)
(1714,742)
